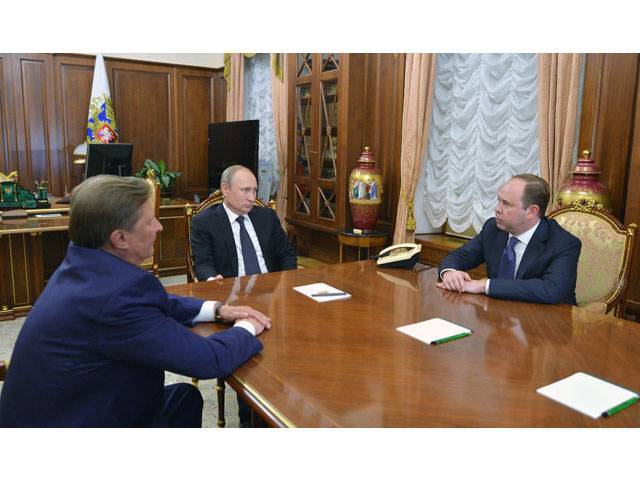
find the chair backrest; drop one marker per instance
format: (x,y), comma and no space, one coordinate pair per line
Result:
(190,211)
(607,245)
(152,262)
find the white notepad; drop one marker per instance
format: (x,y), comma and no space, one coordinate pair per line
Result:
(586,394)
(434,331)
(322,289)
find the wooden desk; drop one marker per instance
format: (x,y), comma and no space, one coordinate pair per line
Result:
(343,364)
(31,249)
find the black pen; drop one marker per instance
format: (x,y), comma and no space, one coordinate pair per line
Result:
(328,294)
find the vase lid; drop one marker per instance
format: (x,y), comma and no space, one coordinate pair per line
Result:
(366,156)
(586,165)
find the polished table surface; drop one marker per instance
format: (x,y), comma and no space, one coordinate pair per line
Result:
(342,363)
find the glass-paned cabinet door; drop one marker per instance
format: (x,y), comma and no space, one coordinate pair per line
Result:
(327,203)
(303,129)
(329,129)
(305,64)
(330,61)
(302,199)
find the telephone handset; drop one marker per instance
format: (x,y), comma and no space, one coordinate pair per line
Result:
(402,255)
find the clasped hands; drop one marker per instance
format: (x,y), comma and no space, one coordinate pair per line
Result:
(459,281)
(259,321)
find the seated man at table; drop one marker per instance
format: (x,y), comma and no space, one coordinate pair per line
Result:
(94,349)
(238,238)
(528,257)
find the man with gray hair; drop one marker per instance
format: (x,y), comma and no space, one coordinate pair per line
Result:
(95,346)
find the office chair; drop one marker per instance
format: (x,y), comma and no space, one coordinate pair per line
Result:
(605,258)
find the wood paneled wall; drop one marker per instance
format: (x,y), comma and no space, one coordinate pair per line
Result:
(610,128)
(384,93)
(162,109)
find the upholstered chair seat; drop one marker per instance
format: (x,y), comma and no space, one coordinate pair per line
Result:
(603,268)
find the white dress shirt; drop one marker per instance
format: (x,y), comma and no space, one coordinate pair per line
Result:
(235,228)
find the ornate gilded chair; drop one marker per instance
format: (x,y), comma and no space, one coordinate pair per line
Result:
(190,211)
(607,246)
(152,262)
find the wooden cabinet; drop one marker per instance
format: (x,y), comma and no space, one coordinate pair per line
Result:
(326,93)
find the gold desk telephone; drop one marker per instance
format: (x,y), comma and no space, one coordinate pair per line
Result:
(402,255)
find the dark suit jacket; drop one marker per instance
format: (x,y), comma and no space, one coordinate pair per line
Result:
(214,250)
(95,346)
(546,274)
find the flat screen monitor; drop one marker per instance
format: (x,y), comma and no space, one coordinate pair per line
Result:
(232,143)
(109,159)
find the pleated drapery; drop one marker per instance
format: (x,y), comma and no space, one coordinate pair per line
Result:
(280,99)
(484,129)
(416,113)
(258,105)
(234,75)
(560,80)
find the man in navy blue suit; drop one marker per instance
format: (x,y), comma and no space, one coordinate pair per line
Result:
(94,349)
(528,257)
(237,238)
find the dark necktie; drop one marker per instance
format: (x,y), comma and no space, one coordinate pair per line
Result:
(249,256)
(507,267)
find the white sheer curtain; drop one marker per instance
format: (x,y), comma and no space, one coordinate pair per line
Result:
(258,105)
(484,129)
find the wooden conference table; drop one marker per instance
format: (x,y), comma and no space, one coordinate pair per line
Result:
(343,364)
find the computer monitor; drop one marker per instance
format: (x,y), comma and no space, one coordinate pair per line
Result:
(232,143)
(108,158)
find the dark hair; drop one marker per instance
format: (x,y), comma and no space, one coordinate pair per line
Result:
(105,203)
(536,192)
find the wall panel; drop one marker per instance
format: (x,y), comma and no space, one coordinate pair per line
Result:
(6,164)
(607,119)
(195,113)
(142,98)
(383,125)
(36,123)
(610,128)
(73,78)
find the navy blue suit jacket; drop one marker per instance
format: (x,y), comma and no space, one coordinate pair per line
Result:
(95,346)
(546,274)
(214,250)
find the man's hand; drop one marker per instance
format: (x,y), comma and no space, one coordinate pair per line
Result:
(256,324)
(230,314)
(217,277)
(475,286)
(461,282)
(454,280)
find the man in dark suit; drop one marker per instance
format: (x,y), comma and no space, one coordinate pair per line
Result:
(237,238)
(528,257)
(94,349)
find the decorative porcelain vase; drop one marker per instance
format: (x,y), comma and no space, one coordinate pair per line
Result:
(365,192)
(584,186)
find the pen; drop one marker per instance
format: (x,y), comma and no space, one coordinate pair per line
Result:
(327,294)
(448,339)
(622,406)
